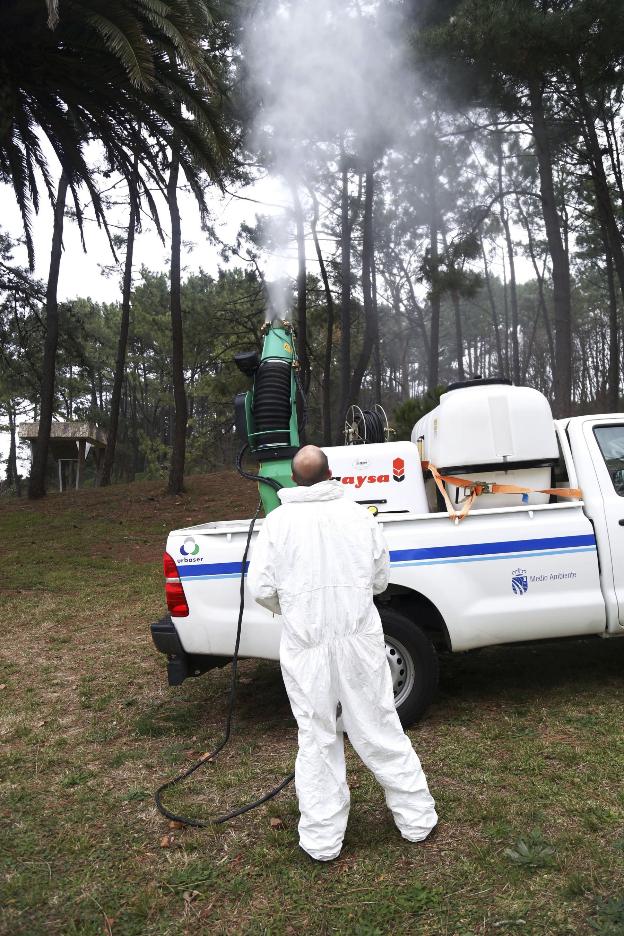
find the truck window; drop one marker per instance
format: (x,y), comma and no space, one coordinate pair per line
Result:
(610,441)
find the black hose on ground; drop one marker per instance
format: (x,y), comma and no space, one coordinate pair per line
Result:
(205,758)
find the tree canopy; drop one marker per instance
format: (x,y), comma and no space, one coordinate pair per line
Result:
(132,78)
(455,209)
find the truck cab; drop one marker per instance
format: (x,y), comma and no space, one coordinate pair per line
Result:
(597,452)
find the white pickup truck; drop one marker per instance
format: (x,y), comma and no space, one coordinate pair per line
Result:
(503,575)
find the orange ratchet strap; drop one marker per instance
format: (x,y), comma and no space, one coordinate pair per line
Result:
(487,487)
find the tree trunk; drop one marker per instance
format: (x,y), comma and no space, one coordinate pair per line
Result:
(506,311)
(120,363)
(614,154)
(302,326)
(329,335)
(178,451)
(540,285)
(36,485)
(370,325)
(513,292)
(504,217)
(456,303)
(135,429)
(377,347)
(604,202)
(433,370)
(94,399)
(418,312)
(528,351)
(613,376)
(494,313)
(459,339)
(345,298)
(562,301)
(12,473)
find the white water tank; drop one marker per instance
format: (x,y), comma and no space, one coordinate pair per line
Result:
(387,475)
(491,431)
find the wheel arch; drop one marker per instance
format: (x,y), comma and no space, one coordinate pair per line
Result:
(419,609)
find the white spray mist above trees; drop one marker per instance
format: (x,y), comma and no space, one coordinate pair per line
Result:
(324,69)
(331,80)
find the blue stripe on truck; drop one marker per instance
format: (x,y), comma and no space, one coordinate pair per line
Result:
(472,551)
(429,555)
(221,569)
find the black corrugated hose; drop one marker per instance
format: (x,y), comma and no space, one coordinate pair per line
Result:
(271,401)
(205,758)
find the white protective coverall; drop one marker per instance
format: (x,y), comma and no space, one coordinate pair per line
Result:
(317,561)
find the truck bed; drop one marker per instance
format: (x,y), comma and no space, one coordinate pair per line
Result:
(502,575)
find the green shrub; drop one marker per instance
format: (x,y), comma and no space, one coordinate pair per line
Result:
(407,414)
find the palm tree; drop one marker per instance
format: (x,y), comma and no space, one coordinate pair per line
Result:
(137,76)
(105,69)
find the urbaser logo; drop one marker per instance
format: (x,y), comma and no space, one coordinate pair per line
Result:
(398,469)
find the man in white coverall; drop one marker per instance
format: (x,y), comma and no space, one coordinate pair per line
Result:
(318,560)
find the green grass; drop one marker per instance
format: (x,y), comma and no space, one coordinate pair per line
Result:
(523,750)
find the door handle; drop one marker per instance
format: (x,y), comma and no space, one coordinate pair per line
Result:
(621,522)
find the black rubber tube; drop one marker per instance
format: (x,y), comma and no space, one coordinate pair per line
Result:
(205,758)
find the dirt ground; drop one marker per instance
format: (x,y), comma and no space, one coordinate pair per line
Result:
(523,749)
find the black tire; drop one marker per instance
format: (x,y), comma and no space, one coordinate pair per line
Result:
(413,662)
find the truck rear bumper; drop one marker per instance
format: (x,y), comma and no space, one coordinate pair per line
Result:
(180,665)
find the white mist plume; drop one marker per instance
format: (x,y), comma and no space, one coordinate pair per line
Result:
(329,75)
(278,290)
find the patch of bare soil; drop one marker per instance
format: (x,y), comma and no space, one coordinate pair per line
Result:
(146,510)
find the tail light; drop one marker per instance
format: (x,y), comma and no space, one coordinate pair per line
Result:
(176,599)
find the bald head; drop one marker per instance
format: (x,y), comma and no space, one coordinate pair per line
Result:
(309,466)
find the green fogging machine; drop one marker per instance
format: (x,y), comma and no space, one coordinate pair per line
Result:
(270,417)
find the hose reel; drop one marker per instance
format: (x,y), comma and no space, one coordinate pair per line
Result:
(366,427)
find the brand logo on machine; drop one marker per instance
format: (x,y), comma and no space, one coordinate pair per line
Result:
(358,480)
(519,582)
(189,547)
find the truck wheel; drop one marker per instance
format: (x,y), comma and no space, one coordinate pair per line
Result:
(413,665)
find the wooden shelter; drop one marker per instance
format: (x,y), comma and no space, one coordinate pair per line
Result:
(70,444)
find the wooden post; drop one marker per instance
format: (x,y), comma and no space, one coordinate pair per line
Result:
(82,444)
(60,464)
